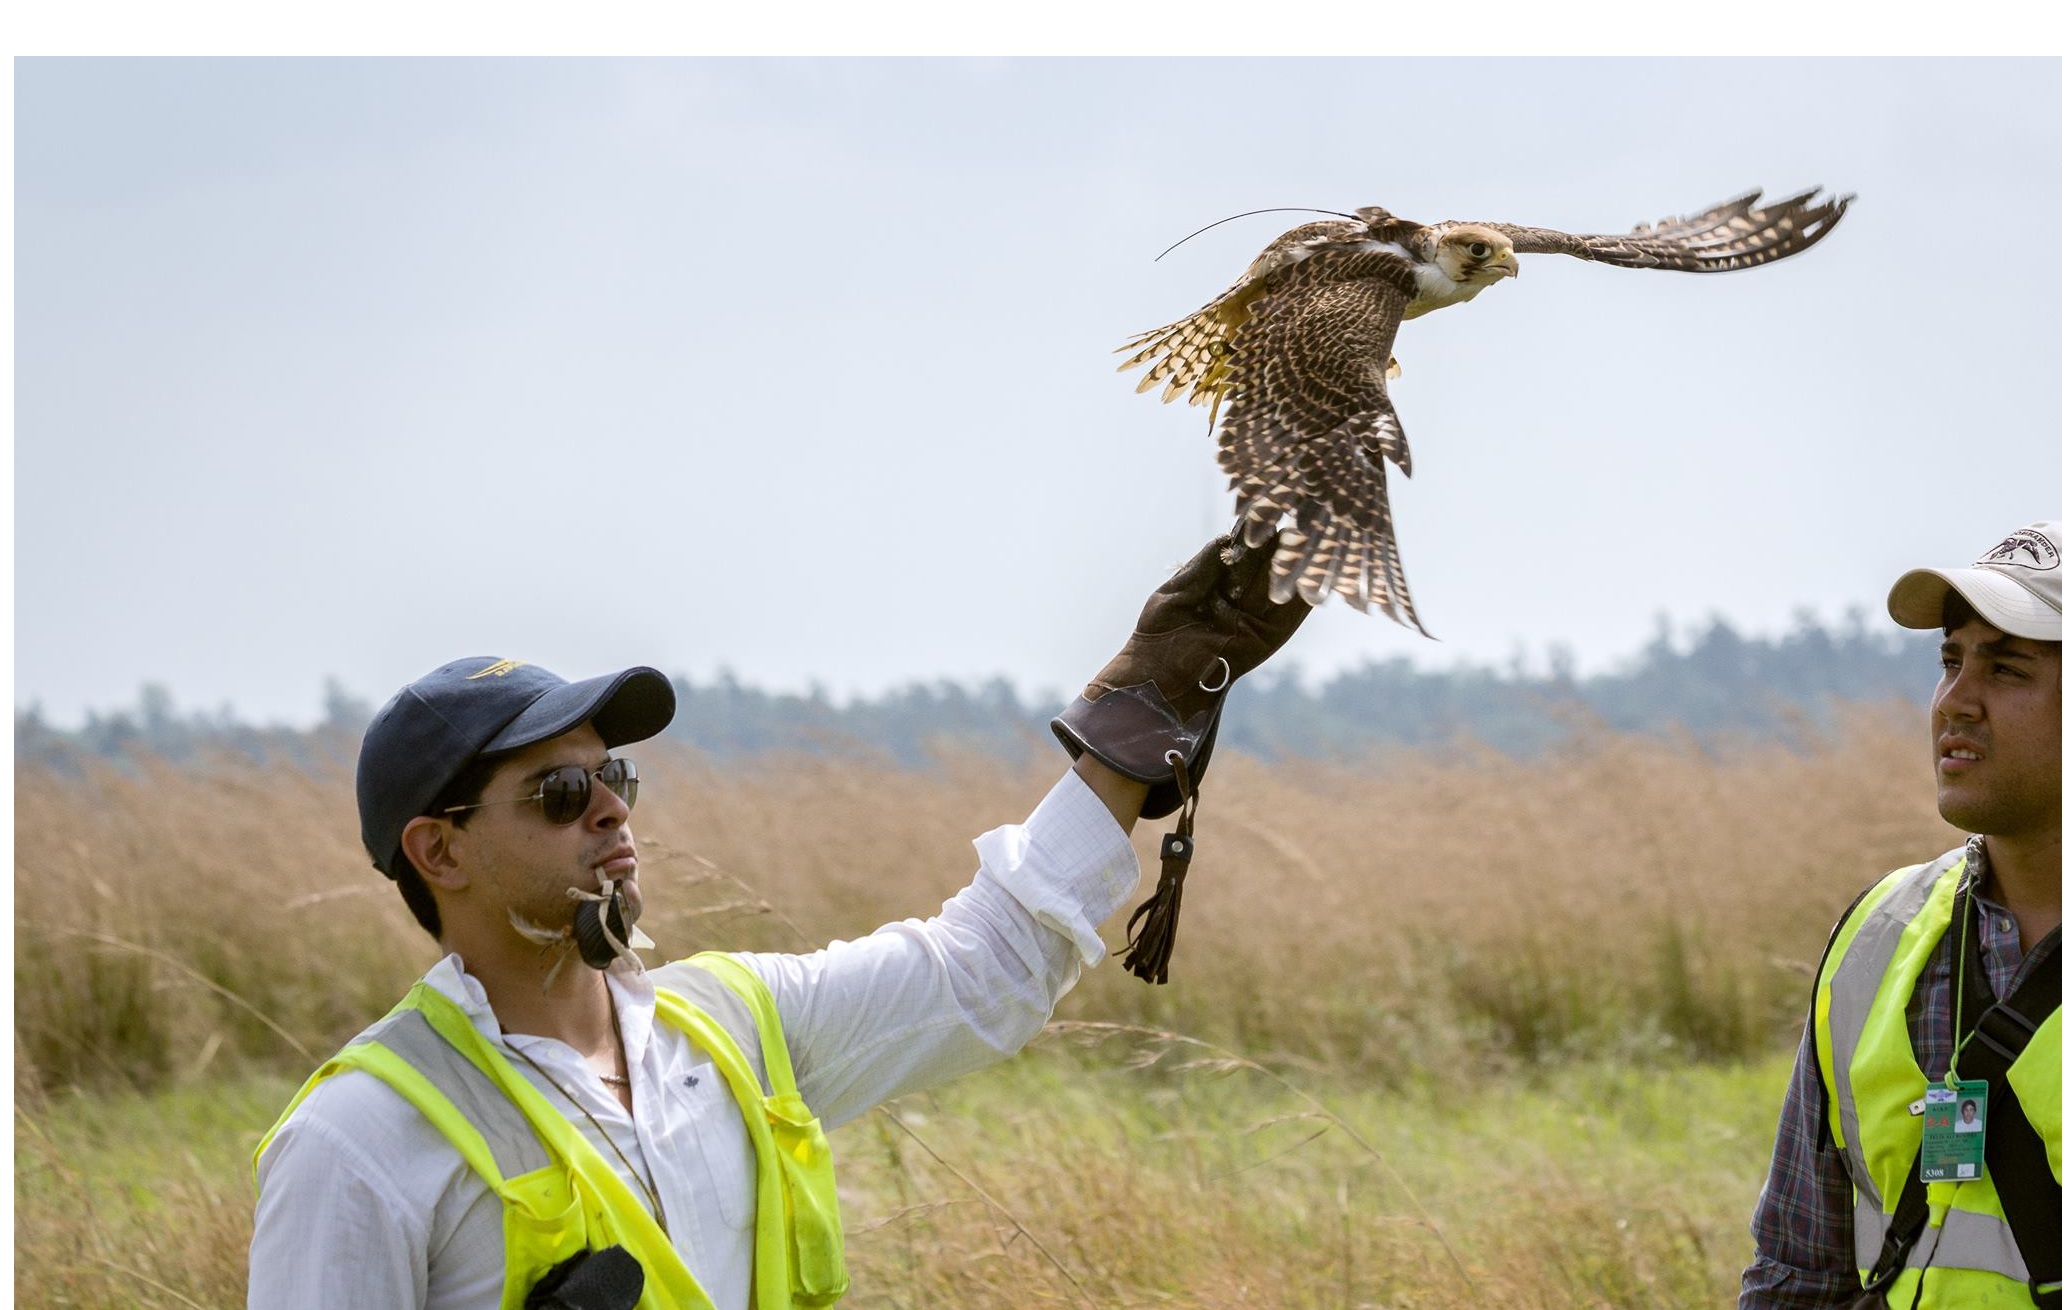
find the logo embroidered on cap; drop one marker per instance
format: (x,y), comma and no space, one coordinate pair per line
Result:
(2026,549)
(498,669)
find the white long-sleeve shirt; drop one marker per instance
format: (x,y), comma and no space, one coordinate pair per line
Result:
(364,1204)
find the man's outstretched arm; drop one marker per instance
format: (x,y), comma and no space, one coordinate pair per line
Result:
(920,1001)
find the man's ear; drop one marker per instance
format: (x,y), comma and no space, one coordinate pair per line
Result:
(429,844)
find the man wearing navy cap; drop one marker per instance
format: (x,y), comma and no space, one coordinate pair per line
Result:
(544,1121)
(1943,983)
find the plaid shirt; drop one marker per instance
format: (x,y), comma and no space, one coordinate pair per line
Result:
(1804,1222)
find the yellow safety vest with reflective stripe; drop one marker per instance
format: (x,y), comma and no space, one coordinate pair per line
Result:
(560,1197)
(1967,1255)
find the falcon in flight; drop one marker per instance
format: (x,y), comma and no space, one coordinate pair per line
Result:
(1295,360)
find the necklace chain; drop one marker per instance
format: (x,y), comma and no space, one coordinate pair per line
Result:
(645,1181)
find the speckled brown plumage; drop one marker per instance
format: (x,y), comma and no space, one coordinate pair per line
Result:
(1295,358)
(1309,425)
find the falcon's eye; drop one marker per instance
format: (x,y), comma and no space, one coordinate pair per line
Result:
(1479,250)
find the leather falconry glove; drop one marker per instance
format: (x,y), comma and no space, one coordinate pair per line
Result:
(1152,713)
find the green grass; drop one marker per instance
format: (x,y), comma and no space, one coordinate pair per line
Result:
(1499,1033)
(1589,1185)
(125,1198)
(1092,1177)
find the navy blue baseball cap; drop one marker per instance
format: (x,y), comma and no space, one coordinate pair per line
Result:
(438,725)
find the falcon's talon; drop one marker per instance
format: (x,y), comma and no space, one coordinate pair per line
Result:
(1300,349)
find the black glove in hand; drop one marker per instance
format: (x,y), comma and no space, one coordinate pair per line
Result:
(1210,624)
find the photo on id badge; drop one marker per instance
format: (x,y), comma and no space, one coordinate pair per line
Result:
(1952,1148)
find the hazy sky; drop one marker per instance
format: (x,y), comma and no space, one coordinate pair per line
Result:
(802,368)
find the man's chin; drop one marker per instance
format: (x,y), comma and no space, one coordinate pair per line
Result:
(1964,808)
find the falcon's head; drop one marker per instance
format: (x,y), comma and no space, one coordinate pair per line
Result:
(1473,257)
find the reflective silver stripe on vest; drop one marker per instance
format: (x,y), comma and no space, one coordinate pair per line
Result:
(512,1143)
(1869,1222)
(1973,1241)
(1856,980)
(1967,1241)
(704,990)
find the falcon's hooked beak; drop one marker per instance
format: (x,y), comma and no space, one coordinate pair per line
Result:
(1506,266)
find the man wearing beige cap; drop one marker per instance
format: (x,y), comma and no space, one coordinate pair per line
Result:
(1941,986)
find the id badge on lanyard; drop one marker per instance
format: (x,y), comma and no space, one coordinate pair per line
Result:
(1952,1149)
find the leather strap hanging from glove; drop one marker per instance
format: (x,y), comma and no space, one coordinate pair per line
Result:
(1152,713)
(1150,945)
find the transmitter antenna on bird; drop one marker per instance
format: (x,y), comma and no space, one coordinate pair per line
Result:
(1281,209)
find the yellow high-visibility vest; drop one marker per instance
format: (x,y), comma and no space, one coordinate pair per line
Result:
(560,1197)
(1967,1255)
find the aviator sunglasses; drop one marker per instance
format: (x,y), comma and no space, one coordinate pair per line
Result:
(564,794)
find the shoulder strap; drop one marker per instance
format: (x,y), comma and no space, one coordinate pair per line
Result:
(755,994)
(1906,1223)
(2013,1152)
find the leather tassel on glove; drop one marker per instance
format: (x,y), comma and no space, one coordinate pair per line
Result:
(1152,713)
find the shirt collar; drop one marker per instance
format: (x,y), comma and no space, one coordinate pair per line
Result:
(632,992)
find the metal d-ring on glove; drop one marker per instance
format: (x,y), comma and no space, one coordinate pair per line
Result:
(1152,713)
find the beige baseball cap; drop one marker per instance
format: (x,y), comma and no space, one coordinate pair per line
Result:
(2016,586)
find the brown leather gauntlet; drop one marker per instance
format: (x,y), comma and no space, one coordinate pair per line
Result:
(1153,712)
(1208,625)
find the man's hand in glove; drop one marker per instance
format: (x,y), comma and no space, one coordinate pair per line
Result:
(1149,717)
(1210,624)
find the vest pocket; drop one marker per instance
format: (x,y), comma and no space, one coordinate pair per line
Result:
(542,1226)
(819,1274)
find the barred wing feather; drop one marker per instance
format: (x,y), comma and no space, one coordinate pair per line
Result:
(1195,354)
(1191,353)
(1309,430)
(1736,234)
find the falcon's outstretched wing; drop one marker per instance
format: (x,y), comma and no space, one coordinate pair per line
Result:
(1733,235)
(1309,426)
(1195,351)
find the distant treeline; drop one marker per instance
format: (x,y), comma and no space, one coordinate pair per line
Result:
(1712,685)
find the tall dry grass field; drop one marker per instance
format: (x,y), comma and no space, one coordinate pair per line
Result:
(1498,949)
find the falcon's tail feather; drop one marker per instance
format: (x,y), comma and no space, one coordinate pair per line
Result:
(1321,568)
(1259,527)
(1319,557)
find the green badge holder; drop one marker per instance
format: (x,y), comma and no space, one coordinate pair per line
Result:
(1952,1149)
